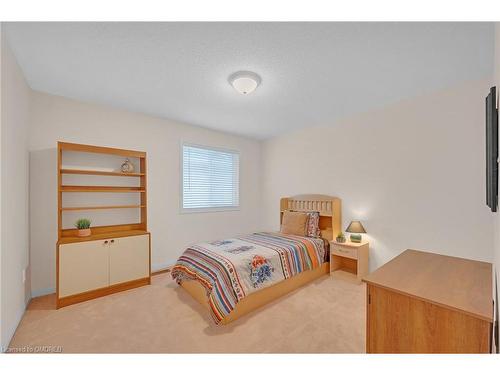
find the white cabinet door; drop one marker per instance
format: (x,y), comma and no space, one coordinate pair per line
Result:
(83,266)
(128,258)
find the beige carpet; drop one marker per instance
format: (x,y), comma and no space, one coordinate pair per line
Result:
(325,316)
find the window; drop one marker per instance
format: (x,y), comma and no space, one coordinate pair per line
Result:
(210,179)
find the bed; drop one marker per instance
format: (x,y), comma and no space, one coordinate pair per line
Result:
(235,276)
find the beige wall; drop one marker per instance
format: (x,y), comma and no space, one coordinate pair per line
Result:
(15,102)
(55,118)
(411,172)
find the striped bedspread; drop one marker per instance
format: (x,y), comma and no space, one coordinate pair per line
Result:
(234,268)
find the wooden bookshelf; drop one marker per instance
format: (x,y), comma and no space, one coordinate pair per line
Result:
(140,174)
(114,257)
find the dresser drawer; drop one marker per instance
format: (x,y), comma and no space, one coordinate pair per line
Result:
(348,252)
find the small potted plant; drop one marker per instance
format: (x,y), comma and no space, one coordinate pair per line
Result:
(83,226)
(340,237)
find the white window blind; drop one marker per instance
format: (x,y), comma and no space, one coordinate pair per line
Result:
(210,178)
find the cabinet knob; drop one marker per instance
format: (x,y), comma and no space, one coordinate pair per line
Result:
(112,241)
(105,242)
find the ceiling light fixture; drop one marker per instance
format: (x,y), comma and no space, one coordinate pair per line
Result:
(244,82)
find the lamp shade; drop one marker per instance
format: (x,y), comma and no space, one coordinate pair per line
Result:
(355,227)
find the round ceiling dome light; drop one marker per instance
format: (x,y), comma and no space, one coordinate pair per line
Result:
(244,82)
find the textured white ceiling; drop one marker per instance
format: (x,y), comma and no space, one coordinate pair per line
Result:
(312,73)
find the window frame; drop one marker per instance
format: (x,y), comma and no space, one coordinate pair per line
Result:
(183,210)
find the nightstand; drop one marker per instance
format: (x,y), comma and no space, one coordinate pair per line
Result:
(349,258)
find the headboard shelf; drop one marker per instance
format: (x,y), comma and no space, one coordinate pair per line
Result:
(329,209)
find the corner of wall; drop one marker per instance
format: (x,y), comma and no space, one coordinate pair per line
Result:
(14,203)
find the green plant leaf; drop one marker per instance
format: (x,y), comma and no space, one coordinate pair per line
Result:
(83,223)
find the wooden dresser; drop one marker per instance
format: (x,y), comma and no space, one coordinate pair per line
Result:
(422,302)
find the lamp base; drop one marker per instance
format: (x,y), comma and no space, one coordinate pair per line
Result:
(355,238)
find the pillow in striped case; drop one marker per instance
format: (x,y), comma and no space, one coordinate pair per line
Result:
(313,224)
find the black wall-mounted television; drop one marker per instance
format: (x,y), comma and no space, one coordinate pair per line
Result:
(492,150)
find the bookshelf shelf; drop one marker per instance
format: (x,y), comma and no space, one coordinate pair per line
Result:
(101,189)
(99,173)
(88,208)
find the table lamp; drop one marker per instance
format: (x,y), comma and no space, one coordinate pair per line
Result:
(355,227)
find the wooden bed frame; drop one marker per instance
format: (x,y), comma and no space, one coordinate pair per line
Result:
(330,223)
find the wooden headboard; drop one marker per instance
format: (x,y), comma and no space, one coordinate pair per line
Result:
(329,208)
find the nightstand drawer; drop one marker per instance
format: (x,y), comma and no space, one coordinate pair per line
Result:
(348,252)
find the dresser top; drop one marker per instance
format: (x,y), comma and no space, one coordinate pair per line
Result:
(460,284)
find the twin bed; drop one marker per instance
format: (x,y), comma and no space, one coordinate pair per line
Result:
(235,276)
